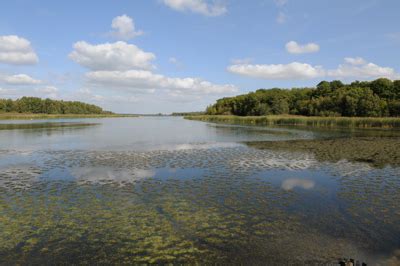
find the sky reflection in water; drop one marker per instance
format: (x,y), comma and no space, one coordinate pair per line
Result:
(202,196)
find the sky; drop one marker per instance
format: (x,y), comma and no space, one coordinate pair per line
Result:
(163,56)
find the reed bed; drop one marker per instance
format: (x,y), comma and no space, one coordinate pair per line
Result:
(317,121)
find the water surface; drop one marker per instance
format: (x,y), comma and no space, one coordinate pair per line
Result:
(165,189)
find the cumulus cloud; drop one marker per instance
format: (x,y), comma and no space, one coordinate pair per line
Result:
(19,79)
(47,89)
(16,51)
(355,61)
(42,92)
(87,95)
(127,69)
(360,68)
(124,28)
(145,80)
(295,48)
(7,92)
(47,92)
(207,8)
(111,56)
(352,68)
(293,70)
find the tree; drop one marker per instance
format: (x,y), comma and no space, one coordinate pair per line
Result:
(396,89)
(48,106)
(382,87)
(376,98)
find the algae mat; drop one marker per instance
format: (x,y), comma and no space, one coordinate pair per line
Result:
(227,205)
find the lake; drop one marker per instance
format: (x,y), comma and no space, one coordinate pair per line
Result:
(169,190)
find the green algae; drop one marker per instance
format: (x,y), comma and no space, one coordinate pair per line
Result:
(376,151)
(227,213)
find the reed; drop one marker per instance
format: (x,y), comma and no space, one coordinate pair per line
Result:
(317,121)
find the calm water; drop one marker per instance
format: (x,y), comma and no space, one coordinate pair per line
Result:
(165,189)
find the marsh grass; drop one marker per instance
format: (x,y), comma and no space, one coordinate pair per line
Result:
(317,121)
(29,116)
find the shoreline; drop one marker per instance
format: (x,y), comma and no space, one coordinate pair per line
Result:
(294,120)
(29,116)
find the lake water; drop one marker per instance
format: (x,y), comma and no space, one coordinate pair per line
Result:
(169,190)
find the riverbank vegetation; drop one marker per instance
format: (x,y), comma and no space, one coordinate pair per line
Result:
(30,116)
(285,120)
(34,105)
(187,113)
(378,98)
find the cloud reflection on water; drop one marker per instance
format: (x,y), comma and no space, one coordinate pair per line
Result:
(105,175)
(292,183)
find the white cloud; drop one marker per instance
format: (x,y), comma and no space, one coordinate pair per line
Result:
(355,61)
(134,80)
(87,95)
(111,56)
(47,92)
(7,92)
(127,69)
(124,28)
(176,62)
(42,92)
(20,79)
(293,70)
(352,68)
(210,8)
(281,18)
(16,51)
(295,48)
(360,68)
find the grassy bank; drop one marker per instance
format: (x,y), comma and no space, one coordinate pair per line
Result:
(29,116)
(357,122)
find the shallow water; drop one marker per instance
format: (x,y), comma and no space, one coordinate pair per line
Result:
(164,189)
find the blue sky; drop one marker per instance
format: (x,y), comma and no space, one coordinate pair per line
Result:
(180,55)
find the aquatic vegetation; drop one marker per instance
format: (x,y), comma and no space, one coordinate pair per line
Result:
(304,201)
(315,121)
(219,205)
(375,151)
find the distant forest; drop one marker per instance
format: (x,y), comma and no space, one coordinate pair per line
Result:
(376,98)
(187,113)
(47,106)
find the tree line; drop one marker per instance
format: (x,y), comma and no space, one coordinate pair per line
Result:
(377,98)
(48,106)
